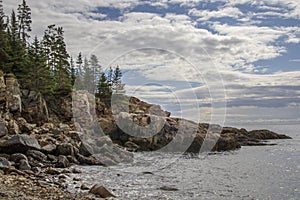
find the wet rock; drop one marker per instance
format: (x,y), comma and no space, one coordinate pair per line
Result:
(73,160)
(168,188)
(24,165)
(3,129)
(17,157)
(88,160)
(130,146)
(65,149)
(19,144)
(52,171)
(36,170)
(4,162)
(101,191)
(84,187)
(62,162)
(76,171)
(37,155)
(85,149)
(52,158)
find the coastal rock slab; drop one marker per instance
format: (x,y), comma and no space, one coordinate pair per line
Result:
(19,144)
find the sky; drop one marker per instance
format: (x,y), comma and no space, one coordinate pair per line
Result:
(220,61)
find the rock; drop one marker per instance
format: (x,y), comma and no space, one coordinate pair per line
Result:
(76,171)
(35,109)
(3,129)
(24,126)
(49,148)
(19,144)
(84,187)
(37,155)
(266,135)
(52,158)
(106,160)
(226,142)
(65,149)
(85,149)
(62,162)
(24,165)
(130,146)
(17,157)
(4,162)
(168,188)
(14,102)
(64,127)
(52,171)
(88,160)
(13,127)
(36,170)
(101,191)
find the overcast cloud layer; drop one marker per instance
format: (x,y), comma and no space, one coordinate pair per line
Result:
(189,54)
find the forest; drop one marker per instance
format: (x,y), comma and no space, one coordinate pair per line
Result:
(44,64)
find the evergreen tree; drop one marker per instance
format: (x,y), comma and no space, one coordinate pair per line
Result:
(16,50)
(104,92)
(96,68)
(57,58)
(79,72)
(4,56)
(88,77)
(38,73)
(73,71)
(117,86)
(24,17)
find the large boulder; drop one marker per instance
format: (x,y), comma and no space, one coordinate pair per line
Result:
(19,144)
(35,109)
(14,102)
(3,129)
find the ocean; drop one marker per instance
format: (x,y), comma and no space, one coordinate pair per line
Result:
(256,172)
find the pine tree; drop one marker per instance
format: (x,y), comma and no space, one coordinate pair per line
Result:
(24,17)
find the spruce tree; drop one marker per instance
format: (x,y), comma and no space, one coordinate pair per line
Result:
(57,58)
(24,18)
(117,86)
(16,49)
(104,92)
(4,56)
(38,73)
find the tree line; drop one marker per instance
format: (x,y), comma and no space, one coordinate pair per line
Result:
(44,65)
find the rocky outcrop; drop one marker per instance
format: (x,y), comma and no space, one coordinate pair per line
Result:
(19,144)
(35,109)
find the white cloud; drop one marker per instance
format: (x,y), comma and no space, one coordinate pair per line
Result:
(204,15)
(171,48)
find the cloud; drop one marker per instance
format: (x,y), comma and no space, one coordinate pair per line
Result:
(204,15)
(174,49)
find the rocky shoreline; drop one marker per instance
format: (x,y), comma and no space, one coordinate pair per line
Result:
(39,143)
